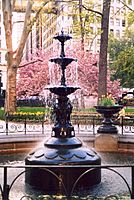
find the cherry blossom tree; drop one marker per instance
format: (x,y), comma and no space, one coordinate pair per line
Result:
(33,78)
(88,71)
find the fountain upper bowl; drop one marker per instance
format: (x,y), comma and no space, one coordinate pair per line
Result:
(63,60)
(62,90)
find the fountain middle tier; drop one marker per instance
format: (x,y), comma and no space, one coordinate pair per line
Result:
(62,90)
(62,61)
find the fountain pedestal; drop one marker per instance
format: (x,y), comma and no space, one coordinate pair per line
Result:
(106,142)
(63,154)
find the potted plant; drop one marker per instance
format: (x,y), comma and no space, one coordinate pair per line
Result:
(107,108)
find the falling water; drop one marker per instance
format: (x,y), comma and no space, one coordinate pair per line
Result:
(76,71)
(54,73)
(50,65)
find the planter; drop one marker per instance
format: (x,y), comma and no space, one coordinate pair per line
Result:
(107,112)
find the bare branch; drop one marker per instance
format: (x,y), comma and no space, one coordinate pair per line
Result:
(28,23)
(118,10)
(127,6)
(13,5)
(31,62)
(25,31)
(95,11)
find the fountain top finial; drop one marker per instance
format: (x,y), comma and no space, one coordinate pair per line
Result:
(62,37)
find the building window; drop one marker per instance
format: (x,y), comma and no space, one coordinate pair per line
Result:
(98,41)
(112,32)
(117,22)
(123,11)
(0,30)
(118,33)
(112,10)
(123,33)
(123,23)
(112,22)
(0,43)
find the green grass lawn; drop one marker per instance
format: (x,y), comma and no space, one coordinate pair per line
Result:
(26,110)
(131,110)
(32,109)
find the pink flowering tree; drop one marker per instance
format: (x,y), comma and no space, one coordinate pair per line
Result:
(88,72)
(33,78)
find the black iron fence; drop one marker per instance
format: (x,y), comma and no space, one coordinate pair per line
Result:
(42,124)
(12,187)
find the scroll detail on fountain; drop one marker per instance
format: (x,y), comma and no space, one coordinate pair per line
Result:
(62,148)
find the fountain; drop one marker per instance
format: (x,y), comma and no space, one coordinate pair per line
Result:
(62,148)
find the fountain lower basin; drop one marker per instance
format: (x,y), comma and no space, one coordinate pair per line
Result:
(62,152)
(110,184)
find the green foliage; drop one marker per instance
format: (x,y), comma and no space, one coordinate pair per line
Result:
(32,109)
(124,66)
(130,23)
(2,113)
(122,60)
(106,101)
(87,16)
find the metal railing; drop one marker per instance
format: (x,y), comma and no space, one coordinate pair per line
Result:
(88,125)
(6,187)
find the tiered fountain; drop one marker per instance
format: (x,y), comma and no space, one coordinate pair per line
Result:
(62,148)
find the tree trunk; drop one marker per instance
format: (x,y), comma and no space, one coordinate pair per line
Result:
(14,58)
(102,82)
(81,24)
(10,102)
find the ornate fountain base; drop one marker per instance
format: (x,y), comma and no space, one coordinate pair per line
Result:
(62,153)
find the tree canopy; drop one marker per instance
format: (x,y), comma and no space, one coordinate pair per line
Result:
(122,60)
